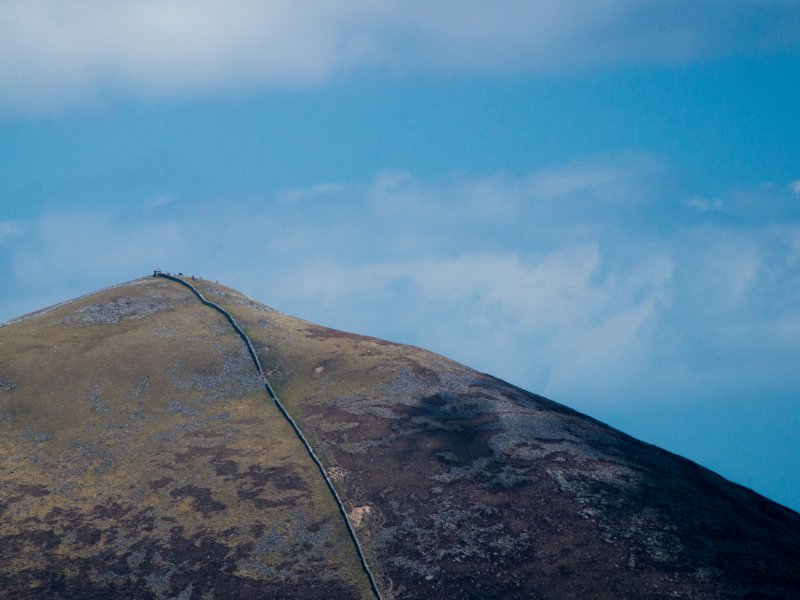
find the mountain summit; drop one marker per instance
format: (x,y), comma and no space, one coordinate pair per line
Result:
(144,455)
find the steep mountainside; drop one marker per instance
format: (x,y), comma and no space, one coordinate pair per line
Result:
(141,457)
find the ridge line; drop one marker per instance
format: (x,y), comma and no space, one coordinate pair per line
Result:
(57,305)
(292,423)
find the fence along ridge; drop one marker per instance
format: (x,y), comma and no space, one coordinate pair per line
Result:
(291,421)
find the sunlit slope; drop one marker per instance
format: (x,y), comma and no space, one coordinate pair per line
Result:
(462,486)
(140,457)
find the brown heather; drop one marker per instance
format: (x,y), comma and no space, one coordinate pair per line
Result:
(140,457)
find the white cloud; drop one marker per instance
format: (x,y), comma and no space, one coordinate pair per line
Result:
(314,192)
(10,230)
(539,319)
(704,204)
(73,249)
(160,200)
(52,54)
(590,284)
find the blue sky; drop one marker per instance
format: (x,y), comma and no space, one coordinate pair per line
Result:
(600,204)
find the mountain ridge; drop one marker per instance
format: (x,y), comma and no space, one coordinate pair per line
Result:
(457,483)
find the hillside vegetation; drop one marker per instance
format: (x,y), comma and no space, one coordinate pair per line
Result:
(141,457)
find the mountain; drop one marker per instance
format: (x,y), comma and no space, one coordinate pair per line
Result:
(142,456)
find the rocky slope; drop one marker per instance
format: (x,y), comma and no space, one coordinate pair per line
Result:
(140,457)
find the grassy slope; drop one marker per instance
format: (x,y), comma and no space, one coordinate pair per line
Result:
(139,456)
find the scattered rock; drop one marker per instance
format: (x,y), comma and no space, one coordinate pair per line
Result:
(123,308)
(359,514)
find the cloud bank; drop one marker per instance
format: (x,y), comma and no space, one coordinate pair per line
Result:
(54,54)
(594,283)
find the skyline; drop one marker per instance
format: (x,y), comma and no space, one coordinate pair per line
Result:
(601,206)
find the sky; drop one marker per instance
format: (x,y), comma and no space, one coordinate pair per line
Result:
(598,202)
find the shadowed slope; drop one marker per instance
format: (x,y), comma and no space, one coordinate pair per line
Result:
(464,486)
(140,457)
